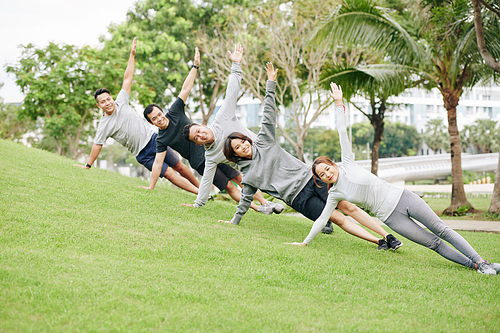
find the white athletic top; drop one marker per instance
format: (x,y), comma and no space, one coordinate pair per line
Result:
(356,185)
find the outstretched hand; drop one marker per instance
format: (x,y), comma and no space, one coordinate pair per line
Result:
(271,73)
(296,243)
(81,166)
(336,93)
(187,205)
(196,60)
(237,55)
(144,187)
(134,44)
(222,221)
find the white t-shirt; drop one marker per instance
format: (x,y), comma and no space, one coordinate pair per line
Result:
(125,126)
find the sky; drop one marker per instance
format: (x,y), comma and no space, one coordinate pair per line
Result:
(61,21)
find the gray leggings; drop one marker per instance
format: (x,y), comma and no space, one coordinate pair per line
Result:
(411,205)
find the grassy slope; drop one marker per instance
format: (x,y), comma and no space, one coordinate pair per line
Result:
(86,250)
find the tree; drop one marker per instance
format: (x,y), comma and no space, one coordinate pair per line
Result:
(358,80)
(399,140)
(488,52)
(168,32)
(286,29)
(58,82)
(483,135)
(12,126)
(436,135)
(440,47)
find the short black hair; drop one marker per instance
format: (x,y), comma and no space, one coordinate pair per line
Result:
(186,130)
(148,110)
(100,91)
(228,149)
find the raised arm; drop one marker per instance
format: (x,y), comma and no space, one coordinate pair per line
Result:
(189,82)
(128,77)
(345,144)
(267,131)
(228,108)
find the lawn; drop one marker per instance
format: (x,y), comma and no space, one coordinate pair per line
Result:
(88,251)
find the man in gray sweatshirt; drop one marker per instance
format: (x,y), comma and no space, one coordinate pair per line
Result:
(213,136)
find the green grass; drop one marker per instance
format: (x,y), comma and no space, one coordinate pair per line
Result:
(87,251)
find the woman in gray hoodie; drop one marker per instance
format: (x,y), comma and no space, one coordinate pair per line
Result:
(268,167)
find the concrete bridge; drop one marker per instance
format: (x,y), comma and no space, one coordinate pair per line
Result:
(400,169)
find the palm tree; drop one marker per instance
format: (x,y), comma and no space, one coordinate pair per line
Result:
(438,42)
(360,80)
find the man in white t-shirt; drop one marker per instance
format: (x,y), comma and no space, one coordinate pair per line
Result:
(124,125)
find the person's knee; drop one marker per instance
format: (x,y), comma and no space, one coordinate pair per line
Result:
(179,166)
(434,244)
(337,218)
(445,232)
(238,178)
(347,207)
(169,173)
(230,188)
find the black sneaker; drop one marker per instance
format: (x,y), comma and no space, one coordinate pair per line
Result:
(328,229)
(382,245)
(393,242)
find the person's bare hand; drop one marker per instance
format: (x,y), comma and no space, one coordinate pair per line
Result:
(196,60)
(296,243)
(237,55)
(271,73)
(134,44)
(144,187)
(336,93)
(222,221)
(81,166)
(187,205)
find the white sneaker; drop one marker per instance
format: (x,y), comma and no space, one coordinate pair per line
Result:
(485,268)
(495,266)
(265,209)
(277,207)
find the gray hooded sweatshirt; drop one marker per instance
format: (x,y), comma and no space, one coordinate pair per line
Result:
(271,168)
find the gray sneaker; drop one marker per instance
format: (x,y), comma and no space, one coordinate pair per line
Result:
(485,268)
(495,266)
(277,207)
(265,209)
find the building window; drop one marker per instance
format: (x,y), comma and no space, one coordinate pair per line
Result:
(470,110)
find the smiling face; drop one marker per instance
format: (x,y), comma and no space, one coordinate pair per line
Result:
(242,148)
(201,135)
(158,118)
(327,173)
(106,103)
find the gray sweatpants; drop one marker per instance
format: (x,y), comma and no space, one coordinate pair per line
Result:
(411,205)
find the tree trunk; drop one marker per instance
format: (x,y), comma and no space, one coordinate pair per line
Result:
(300,148)
(377,121)
(458,198)
(379,131)
(481,43)
(495,199)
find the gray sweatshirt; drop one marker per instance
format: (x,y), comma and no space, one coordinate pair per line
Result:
(271,168)
(356,185)
(225,123)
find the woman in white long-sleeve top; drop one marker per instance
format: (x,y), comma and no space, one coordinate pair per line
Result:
(268,167)
(393,205)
